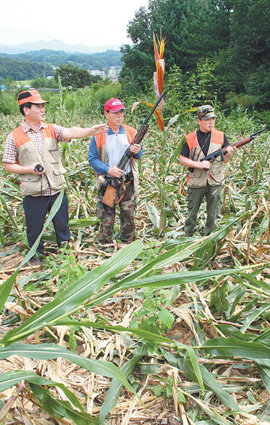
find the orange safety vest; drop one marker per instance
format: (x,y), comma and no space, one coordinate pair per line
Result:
(20,136)
(102,154)
(50,159)
(198,177)
(101,138)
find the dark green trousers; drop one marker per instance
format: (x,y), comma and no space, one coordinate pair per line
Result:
(212,194)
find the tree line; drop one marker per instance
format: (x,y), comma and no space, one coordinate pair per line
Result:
(225,42)
(38,63)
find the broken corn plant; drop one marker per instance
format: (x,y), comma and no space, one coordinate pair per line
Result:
(87,292)
(211,366)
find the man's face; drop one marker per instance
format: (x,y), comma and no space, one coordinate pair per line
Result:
(207,125)
(36,113)
(115,119)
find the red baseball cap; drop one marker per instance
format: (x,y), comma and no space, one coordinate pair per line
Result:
(31,96)
(113,105)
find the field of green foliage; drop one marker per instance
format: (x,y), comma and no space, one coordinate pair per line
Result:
(168,330)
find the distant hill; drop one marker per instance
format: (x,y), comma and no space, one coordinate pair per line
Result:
(100,61)
(22,70)
(55,45)
(35,64)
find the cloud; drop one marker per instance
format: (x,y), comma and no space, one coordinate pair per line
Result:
(85,21)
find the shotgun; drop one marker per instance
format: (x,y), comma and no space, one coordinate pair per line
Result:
(115,183)
(221,152)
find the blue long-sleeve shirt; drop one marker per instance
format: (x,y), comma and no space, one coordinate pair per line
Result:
(115,151)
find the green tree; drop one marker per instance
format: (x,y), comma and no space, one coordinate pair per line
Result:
(44,83)
(233,35)
(251,39)
(72,76)
(192,29)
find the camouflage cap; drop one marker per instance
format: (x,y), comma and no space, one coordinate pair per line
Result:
(205,112)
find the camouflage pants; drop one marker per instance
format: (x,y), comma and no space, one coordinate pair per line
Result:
(212,194)
(127,207)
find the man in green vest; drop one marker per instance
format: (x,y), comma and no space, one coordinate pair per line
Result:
(31,151)
(205,178)
(105,152)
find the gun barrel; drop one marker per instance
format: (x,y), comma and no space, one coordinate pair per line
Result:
(257,132)
(139,136)
(246,140)
(154,108)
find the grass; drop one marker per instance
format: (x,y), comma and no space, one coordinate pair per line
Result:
(169,327)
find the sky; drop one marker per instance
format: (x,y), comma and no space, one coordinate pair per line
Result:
(88,22)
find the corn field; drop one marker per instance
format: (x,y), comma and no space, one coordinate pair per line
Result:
(167,330)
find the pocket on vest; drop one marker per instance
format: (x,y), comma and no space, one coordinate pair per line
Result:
(30,177)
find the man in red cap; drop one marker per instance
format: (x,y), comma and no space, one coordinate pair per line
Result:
(31,151)
(105,152)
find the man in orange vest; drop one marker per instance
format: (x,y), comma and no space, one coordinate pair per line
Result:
(205,178)
(31,151)
(105,152)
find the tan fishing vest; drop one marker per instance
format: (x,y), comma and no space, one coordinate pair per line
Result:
(102,154)
(32,184)
(216,174)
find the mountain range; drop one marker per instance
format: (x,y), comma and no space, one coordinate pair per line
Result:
(55,45)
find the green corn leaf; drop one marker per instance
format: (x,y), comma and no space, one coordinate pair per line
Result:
(175,155)
(153,215)
(76,294)
(179,278)
(163,193)
(83,222)
(214,386)
(254,316)
(265,375)
(215,416)
(7,380)
(53,351)
(9,215)
(232,347)
(61,409)
(170,123)
(148,336)
(258,285)
(181,251)
(196,367)
(116,386)
(14,192)
(160,281)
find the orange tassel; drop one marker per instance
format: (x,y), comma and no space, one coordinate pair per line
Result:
(155,49)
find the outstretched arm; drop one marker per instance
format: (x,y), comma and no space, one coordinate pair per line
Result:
(80,133)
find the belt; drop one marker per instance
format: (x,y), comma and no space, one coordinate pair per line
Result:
(125,178)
